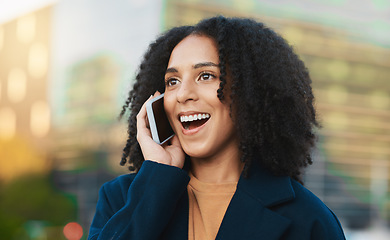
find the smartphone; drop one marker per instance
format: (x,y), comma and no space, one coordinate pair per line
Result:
(159,125)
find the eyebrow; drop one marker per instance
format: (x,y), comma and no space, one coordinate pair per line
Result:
(205,64)
(198,65)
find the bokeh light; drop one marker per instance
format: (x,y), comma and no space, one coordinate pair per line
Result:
(73,231)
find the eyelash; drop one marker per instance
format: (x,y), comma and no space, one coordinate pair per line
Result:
(169,80)
(207,73)
(202,74)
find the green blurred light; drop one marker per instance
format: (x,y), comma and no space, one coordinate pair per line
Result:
(381,4)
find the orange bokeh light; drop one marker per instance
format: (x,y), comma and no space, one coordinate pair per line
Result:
(73,231)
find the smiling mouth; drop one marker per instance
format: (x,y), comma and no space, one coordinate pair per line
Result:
(193,121)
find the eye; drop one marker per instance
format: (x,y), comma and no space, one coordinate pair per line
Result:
(206,76)
(171,82)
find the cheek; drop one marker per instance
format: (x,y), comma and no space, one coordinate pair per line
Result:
(223,107)
(225,115)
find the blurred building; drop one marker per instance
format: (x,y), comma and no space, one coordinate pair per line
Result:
(25,115)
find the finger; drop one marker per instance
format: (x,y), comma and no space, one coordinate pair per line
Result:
(156,93)
(176,152)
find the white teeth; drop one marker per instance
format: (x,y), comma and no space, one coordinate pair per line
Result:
(194,117)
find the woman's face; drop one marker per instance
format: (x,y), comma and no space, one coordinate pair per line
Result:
(200,120)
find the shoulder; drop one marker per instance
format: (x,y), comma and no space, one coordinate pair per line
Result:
(152,176)
(115,191)
(308,212)
(304,196)
(309,203)
(121,182)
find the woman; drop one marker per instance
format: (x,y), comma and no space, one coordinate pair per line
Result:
(241,106)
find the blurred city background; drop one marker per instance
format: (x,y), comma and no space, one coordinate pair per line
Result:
(66,67)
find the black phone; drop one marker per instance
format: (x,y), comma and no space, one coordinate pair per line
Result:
(158,121)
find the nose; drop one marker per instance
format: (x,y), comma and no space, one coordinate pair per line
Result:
(187,92)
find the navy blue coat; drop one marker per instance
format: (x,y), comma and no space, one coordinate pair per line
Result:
(153,204)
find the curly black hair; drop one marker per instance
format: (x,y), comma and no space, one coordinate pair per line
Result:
(270,92)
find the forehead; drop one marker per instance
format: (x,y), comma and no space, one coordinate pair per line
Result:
(194,49)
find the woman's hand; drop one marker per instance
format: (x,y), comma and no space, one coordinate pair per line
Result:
(166,154)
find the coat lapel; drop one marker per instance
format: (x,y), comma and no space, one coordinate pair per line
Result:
(178,227)
(248,215)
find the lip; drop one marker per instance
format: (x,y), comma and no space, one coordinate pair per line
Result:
(191,131)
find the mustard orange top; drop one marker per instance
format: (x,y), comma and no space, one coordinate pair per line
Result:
(207,206)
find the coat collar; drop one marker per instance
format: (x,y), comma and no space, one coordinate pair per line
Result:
(248,215)
(268,189)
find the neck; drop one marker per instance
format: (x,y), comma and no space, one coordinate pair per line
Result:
(225,167)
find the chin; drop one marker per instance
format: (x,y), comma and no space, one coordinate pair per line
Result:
(197,152)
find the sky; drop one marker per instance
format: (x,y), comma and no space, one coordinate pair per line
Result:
(10,9)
